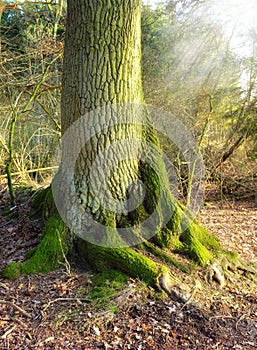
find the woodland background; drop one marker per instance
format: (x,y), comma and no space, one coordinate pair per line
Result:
(191,68)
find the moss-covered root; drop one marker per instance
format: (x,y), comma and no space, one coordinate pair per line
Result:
(48,255)
(199,244)
(132,262)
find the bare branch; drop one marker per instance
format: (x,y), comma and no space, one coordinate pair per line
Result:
(25,313)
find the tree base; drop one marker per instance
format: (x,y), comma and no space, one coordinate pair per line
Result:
(150,262)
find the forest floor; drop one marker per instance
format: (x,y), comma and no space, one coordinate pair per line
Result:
(58,311)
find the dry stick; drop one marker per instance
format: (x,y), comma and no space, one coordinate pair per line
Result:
(220,316)
(15,6)
(30,171)
(6,223)
(8,332)
(65,299)
(25,313)
(240,319)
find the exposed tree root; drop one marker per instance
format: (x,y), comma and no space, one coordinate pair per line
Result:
(150,262)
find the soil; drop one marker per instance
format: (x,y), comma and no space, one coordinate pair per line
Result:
(53,311)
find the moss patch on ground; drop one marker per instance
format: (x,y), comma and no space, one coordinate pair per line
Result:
(106,285)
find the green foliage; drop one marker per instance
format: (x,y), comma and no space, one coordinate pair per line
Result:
(156,36)
(190,69)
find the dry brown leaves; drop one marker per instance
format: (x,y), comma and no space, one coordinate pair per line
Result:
(235,224)
(52,311)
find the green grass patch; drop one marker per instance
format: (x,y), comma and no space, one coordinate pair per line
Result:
(105,286)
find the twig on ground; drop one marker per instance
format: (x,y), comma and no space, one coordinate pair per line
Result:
(240,319)
(25,313)
(6,223)
(8,332)
(220,316)
(79,300)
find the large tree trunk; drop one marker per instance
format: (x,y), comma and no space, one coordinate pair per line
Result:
(102,67)
(101,83)
(101,70)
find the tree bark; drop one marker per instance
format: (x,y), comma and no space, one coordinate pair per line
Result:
(102,67)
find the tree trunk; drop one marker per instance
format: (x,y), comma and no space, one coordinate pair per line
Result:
(102,96)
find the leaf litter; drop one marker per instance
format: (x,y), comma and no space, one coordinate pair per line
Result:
(53,311)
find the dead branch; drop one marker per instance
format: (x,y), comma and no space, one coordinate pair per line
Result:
(25,313)
(9,331)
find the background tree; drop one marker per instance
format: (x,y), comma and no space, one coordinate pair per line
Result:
(200,77)
(189,68)
(30,70)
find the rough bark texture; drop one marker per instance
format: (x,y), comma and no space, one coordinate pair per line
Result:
(102,56)
(102,68)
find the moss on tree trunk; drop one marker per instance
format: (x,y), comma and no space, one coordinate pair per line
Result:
(152,262)
(148,261)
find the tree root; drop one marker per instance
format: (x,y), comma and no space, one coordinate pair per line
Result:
(227,265)
(152,261)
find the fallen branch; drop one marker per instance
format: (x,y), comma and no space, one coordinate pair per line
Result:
(25,313)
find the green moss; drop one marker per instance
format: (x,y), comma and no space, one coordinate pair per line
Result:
(207,239)
(49,208)
(48,255)
(109,277)
(167,238)
(199,244)
(199,252)
(39,198)
(12,270)
(30,253)
(165,256)
(232,256)
(105,286)
(127,260)
(43,201)
(107,283)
